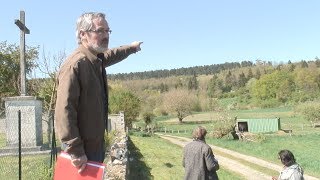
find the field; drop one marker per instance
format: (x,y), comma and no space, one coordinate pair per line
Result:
(155,158)
(33,167)
(303,141)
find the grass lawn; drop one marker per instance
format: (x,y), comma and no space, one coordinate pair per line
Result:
(305,148)
(304,142)
(156,158)
(33,167)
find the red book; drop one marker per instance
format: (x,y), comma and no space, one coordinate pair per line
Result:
(64,170)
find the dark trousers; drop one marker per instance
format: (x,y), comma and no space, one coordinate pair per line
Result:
(96,156)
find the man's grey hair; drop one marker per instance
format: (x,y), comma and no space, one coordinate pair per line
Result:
(199,133)
(84,22)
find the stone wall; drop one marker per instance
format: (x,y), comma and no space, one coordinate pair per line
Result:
(117,157)
(116,122)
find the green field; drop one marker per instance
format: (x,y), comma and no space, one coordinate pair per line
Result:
(303,141)
(33,167)
(155,158)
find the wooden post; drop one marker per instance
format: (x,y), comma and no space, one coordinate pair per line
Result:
(23,31)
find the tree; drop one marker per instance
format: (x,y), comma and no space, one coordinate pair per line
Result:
(304,64)
(258,74)
(307,85)
(228,82)
(147,118)
(123,100)
(277,85)
(250,74)
(163,87)
(179,102)
(45,88)
(215,86)
(242,80)
(223,124)
(178,84)
(10,67)
(310,111)
(193,82)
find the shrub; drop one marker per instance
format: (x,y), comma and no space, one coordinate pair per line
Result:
(223,125)
(310,111)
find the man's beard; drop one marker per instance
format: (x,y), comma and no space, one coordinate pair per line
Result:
(97,48)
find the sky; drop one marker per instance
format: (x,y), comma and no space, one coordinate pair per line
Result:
(176,33)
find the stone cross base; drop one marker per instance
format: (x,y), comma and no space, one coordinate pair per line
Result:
(31,121)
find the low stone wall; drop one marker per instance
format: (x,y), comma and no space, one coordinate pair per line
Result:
(117,159)
(116,122)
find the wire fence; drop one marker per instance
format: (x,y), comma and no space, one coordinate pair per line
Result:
(26,153)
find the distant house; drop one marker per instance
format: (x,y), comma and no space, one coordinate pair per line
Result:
(259,125)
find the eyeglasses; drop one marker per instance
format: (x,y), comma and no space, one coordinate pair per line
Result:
(101,31)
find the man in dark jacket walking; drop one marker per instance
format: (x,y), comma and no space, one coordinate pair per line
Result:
(198,159)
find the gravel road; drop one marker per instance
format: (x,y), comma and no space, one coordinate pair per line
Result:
(226,162)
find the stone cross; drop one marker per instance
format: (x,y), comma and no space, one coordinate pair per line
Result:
(23,30)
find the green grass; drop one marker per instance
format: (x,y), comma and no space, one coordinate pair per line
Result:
(304,142)
(155,158)
(305,148)
(34,167)
(2,140)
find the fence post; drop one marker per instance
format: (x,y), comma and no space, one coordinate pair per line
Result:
(19,136)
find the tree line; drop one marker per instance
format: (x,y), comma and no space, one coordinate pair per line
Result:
(205,69)
(177,92)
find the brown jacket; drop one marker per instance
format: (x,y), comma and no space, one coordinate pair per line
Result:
(80,113)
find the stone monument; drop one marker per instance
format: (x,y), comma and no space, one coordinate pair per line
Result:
(31,121)
(29,106)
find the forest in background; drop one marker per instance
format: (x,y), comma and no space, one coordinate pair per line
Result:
(178,92)
(250,85)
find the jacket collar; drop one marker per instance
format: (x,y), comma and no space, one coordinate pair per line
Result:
(89,54)
(92,57)
(199,140)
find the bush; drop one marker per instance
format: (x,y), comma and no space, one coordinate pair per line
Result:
(160,111)
(310,111)
(224,124)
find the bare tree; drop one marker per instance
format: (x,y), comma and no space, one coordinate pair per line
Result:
(46,87)
(179,102)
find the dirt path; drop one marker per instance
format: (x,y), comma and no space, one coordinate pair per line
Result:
(233,165)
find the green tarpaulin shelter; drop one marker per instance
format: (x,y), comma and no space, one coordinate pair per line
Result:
(259,125)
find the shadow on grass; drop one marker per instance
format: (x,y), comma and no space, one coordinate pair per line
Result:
(137,168)
(169,165)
